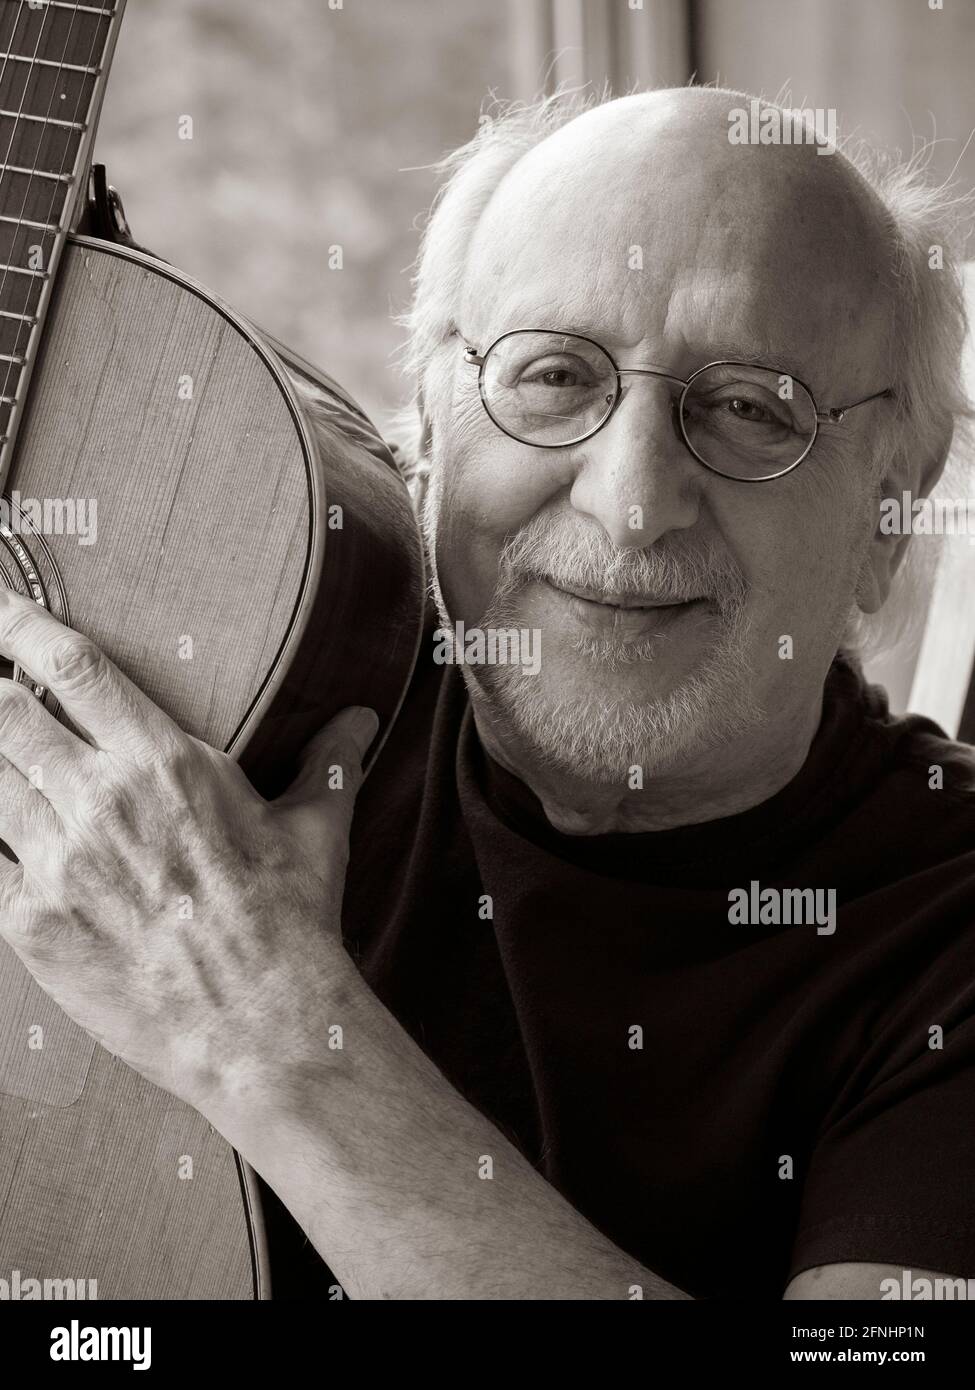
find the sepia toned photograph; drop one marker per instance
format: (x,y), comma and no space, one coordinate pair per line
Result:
(487,667)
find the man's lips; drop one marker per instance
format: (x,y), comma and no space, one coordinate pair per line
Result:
(622,617)
(610,599)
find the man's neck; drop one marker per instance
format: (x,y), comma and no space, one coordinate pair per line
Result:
(716,783)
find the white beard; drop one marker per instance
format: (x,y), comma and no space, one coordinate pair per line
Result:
(600,738)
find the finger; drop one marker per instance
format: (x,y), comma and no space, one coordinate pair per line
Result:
(31,927)
(28,823)
(11,885)
(98,697)
(52,759)
(330,772)
(11,897)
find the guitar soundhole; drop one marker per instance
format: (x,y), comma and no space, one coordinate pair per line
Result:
(8,671)
(29,569)
(7,668)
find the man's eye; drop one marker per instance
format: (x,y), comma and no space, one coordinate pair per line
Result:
(748,410)
(559,375)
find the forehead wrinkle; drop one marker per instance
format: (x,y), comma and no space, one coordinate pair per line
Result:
(712,323)
(574,278)
(592,317)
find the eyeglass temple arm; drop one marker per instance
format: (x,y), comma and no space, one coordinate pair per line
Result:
(836,413)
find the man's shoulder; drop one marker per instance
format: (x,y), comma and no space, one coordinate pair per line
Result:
(918,757)
(932,769)
(912,837)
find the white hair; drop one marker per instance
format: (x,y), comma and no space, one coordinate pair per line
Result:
(927,343)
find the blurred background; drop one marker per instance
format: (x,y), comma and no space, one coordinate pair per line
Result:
(314,123)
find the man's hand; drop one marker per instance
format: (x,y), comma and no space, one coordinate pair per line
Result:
(185,922)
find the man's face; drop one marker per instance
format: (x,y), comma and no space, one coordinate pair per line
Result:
(641,226)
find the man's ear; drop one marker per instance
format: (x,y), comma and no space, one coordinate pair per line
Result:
(421,466)
(426,427)
(905,475)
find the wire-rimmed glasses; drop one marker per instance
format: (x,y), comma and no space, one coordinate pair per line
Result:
(747,422)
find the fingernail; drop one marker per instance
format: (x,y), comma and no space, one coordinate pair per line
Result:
(364,725)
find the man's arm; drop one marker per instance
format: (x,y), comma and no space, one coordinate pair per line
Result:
(407,1191)
(404,1188)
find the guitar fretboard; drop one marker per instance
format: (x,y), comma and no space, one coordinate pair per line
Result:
(53,63)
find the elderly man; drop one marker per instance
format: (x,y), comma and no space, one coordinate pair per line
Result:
(658,975)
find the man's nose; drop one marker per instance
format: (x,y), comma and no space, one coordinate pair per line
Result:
(636,477)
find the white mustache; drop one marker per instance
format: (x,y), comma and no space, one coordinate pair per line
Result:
(665,573)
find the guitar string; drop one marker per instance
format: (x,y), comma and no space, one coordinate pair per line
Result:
(8,260)
(30,181)
(6,56)
(23,206)
(110,14)
(6,157)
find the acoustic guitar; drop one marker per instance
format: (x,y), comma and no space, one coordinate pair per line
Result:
(226,524)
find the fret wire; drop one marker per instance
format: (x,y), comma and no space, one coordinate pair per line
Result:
(44,120)
(9,314)
(85,9)
(36,173)
(26,222)
(50,63)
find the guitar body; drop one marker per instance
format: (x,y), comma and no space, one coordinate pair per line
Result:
(253,575)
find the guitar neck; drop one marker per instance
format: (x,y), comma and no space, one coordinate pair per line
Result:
(54,61)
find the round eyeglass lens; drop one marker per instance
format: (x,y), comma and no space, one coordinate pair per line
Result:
(748,422)
(548,388)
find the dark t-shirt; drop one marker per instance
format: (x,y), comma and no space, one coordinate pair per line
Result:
(729,1103)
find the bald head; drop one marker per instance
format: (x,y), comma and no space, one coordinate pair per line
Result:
(641,218)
